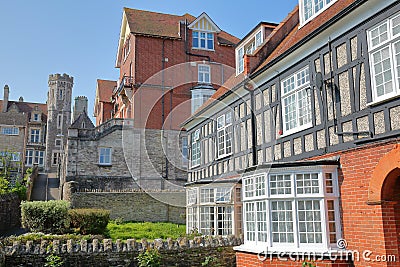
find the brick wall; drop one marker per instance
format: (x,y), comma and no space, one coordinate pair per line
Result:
(136,206)
(252,260)
(10,212)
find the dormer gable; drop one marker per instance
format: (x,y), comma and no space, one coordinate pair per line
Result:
(310,9)
(204,23)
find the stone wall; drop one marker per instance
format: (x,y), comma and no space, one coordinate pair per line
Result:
(161,206)
(31,181)
(182,252)
(138,157)
(10,212)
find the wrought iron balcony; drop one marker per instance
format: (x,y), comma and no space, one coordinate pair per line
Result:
(127,81)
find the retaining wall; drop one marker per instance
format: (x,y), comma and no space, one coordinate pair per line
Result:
(182,252)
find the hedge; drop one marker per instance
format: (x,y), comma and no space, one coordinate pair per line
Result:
(89,221)
(46,216)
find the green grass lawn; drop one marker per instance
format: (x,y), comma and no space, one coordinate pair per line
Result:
(146,230)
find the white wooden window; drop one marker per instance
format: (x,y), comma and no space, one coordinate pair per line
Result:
(29,157)
(296,102)
(224,135)
(296,213)
(192,225)
(191,196)
(224,220)
(196,154)
(10,131)
(207,195)
(384,57)
(222,194)
(309,9)
(203,40)
(35,136)
(207,220)
(204,73)
(105,156)
(56,158)
(58,142)
(39,158)
(240,60)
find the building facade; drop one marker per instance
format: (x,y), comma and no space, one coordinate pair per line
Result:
(309,130)
(29,133)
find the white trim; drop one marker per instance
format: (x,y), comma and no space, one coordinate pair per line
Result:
(109,151)
(204,15)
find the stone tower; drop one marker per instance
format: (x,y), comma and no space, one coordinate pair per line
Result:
(59,99)
(80,105)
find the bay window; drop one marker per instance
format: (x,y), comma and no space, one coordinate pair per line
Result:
(384,57)
(297,211)
(210,210)
(296,102)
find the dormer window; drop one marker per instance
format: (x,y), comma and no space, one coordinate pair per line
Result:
(248,46)
(203,40)
(309,9)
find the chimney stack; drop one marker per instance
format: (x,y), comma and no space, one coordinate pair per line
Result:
(5,99)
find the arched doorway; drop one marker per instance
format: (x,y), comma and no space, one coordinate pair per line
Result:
(384,190)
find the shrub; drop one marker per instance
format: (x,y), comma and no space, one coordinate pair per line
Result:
(45,216)
(89,221)
(149,258)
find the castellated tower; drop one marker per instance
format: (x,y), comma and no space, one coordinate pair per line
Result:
(58,118)
(80,106)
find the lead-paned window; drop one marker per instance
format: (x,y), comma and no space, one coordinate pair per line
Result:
(384,56)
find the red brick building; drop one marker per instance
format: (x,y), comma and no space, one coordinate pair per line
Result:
(167,63)
(302,151)
(103,105)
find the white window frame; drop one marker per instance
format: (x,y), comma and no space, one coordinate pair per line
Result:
(203,36)
(10,130)
(297,86)
(240,60)
(204,73)
(195,151)
(34,136)
(29,157)
(39,158)
(389,43)
(105,156)
(191,196)
(251,228)
(55,158)
(224,135)
(303,19)
(223,194)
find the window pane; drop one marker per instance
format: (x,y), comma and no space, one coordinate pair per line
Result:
(307,183)
(224,221)
(262,221)
(280,185)
(250,220)
(396,25)
(382,71)
(207,221)
(309,218)
(308,10)
(282,222)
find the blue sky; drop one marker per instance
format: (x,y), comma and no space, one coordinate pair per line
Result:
(38,38)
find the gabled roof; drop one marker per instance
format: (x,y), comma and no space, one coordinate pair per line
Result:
(148,23)
(201,21)
(298,34)
(104,90)
(26,107)
(82,122)
(153,23)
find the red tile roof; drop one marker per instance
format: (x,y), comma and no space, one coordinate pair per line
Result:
(286,35)
(105,89)
(27,106)
(300,33)
(166,25)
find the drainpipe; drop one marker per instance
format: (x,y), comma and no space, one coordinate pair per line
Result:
(164,174)
(250,88)
(187,45)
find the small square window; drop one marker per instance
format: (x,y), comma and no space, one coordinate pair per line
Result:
(105,156)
